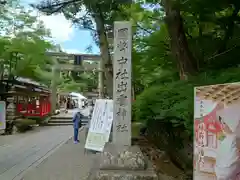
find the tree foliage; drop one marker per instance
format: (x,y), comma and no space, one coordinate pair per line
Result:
(24,42)
(82,82)
(23,45)
(205,28)
(96,16)
(207,37)
(177,45)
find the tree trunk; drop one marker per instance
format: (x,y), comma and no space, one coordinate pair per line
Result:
(179,45)
(229,29)
(105,55)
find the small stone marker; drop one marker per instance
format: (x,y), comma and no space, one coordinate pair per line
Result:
(122,69)
(2,115)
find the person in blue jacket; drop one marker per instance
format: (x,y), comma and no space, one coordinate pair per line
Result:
(77,118)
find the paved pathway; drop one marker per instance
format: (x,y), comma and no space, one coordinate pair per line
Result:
(68,163)
(17,156)
(8,139)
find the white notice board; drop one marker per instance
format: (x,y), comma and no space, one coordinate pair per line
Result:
(109,119)
(100,126)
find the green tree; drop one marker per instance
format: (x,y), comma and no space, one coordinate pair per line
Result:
(23,44)
(87,14)
(206,34)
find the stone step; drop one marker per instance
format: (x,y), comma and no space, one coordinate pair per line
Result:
(59,124)
(66,117)
(62,117)
(124,174)
(65,121)
(62,122)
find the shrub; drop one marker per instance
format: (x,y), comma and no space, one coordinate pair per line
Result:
(41,120)
(176,99)
(24,124)
(167,111)
(169,100)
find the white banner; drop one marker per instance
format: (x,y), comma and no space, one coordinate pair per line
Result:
(97,117)
(2,115)
(100,126)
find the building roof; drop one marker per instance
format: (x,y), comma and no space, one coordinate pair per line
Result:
(220,93)
(29,81)
(25,83)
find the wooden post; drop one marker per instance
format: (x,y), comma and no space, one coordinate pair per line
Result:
(101,80)
(54,89)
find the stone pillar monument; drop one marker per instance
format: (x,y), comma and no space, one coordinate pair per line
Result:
(121,160)
(122,75)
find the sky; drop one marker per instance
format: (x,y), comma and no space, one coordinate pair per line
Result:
(71,39)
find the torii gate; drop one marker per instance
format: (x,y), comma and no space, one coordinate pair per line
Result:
(74,67)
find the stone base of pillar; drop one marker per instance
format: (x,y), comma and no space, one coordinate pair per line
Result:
(125,163)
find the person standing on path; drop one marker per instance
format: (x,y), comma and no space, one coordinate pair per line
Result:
(77,123)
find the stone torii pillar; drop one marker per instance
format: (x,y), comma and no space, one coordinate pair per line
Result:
(55,75)
(121,160)
(60,56)
(56,69)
